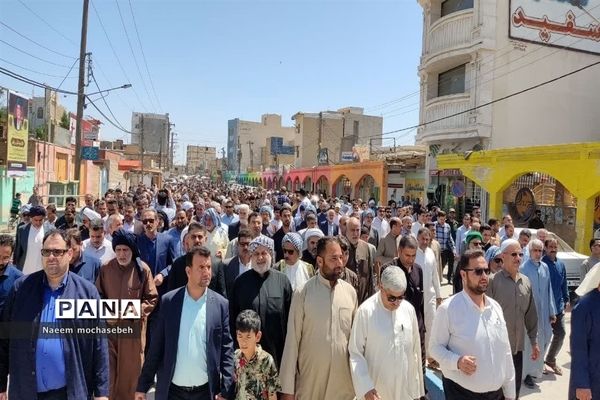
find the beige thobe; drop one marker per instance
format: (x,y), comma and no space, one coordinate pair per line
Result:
(315,359)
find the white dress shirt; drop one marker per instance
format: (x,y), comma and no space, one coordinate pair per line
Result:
(104,253)
(33,258)
(431,287)
(243,268)
(459,329)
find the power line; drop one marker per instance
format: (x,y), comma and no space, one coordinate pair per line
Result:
(105,102)
(484,61)
(68,73)
(496,100)
(144,57)
(29,81)
(47,23)
(142,104)
(137,65)
(36,43)
(126,104)
(90,101)
(32,55)
(34,71)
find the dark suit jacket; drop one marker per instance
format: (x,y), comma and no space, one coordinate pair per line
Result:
(231,268)
(233,230)
(324,226)
(178,277)
(162,355)
(86,358)
(21,245)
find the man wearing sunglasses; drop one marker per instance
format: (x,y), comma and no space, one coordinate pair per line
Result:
(512,290)
(57,366)
(385,319)
(470,340)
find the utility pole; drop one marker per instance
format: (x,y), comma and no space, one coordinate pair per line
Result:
(142,143)
(239,158)
(81,92)
(171,147)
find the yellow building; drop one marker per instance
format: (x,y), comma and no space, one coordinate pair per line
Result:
(570,171)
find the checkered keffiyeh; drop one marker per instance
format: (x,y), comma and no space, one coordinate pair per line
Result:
(262,240)
(295,239)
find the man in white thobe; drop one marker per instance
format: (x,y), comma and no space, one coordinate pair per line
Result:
(385,346)
(432,297)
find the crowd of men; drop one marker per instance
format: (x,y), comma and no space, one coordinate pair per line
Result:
(323,298)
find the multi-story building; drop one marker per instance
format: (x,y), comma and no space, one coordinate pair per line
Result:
(507,74)
(200,160)
(152,131)
(245,140)
(322,137)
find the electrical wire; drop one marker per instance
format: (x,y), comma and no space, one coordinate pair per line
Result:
(106,103)
(32,55)
(36,43)
(32,82)
(34,71)
(137,32)
(90,101)
(141,103)
(496,100)
(47,23)
(137,65)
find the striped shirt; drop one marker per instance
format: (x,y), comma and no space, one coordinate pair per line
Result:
(444,236)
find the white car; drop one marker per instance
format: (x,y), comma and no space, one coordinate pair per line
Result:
(566,254)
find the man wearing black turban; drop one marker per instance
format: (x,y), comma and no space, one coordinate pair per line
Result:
(127,277)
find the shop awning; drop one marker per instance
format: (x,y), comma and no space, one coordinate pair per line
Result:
(127,165)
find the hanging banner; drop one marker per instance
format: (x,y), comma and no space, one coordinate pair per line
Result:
(17,134)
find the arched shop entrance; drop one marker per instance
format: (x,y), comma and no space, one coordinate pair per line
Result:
(322,185)
(538,191)
(365,189)
(571,170)
(342,187)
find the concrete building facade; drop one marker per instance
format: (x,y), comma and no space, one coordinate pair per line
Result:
(152,131)
(246,140)
(200,160)
(331,133)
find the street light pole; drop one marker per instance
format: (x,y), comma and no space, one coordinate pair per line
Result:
(81,93)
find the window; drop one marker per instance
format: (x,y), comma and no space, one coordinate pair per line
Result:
(451,6)
(355,129)
(40,113)
(452,81)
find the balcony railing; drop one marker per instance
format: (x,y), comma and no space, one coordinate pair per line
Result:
(442,108)
(450,32)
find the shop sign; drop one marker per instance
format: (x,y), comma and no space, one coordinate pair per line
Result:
(445,172)
(17,134)
(347,156)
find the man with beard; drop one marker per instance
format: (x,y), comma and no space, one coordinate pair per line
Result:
(9,273)
(126,277)
(266,291)
(385,333)
(311,237)
(407,253)
(181,222)
(360,261)
(241,223)
(297,271)
(70,203)
(560,290)
(512,290)
(43,366)
(156,248)
(254,224)
(474,352)
(195,236)
(388,246)
(315,361)
(85,266)
(130,223)
(29,240)
(286,227)
(235,266)
(97,246)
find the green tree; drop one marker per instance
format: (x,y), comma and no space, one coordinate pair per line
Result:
(64,121)
(40,133)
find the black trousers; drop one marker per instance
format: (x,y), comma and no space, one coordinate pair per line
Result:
(57,394)
(518,362)
(179,393)
(448,257)
(453,391)
(558,337)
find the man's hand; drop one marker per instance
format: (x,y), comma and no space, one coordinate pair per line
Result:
(535,352)
(372,395)
(3,396)
(568,307)
(219,397)
(583,394)
(553,319)
(467,364)
(158,279)
(140,396)
(438,301)
(219,254)
(285,396)
(101,398)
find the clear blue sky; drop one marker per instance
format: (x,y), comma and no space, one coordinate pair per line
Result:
(211,61)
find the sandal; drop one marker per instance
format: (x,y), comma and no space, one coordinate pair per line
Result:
(554,367)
